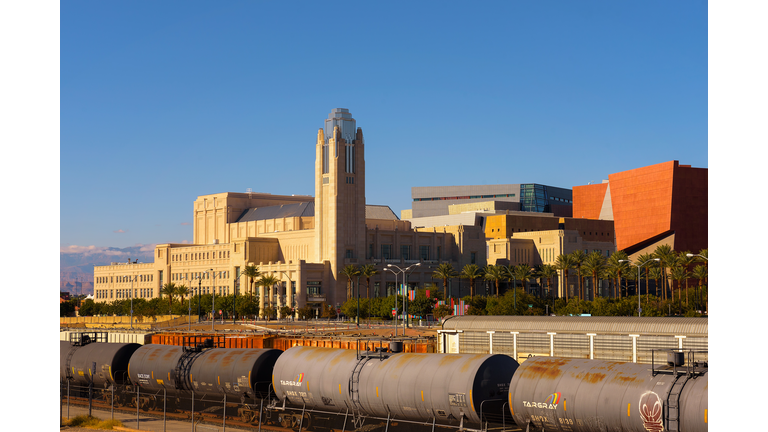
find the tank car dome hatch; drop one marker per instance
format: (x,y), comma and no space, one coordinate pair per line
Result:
(409,386)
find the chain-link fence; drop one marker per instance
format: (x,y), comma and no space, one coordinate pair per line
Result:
(166,411)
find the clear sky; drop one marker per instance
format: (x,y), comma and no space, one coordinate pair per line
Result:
(165,101)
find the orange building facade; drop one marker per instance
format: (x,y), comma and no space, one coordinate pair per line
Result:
(661,202)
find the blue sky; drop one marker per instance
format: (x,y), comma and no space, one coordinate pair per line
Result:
(164,101)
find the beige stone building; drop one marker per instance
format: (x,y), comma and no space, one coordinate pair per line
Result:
(525,239)
(304,241)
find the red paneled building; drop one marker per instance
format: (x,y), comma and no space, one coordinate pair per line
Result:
(662,203)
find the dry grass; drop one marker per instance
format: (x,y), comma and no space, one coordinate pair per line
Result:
(91,423)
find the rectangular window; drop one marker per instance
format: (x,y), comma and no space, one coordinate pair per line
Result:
(314,288)
(439,253)
(405,252)
(349,253)
(325,161)
(370,250)
(472,257)
(423,253)
(386,251)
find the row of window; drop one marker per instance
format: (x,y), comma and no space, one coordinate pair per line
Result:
(199,275)
(405,252)
(464,197)
(199,256)
(125,293)
(124,279)
(313,288)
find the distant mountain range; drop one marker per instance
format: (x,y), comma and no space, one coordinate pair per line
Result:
(76,263)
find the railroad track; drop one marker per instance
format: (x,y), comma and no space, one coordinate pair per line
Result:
(207,418)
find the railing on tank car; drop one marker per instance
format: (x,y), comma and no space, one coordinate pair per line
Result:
(84,338)
(675,363)
(198,343)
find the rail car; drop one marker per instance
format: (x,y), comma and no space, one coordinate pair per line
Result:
(578,395)
(382,386)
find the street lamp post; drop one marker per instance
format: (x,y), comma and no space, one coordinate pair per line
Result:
(132,279)
(199,292)
(358,301)
(213,300)
(189,307)
(395,273)
(639,308)
(290,288)
(405,293)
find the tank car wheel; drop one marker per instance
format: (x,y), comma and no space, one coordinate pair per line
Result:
(246,415)
(296,421)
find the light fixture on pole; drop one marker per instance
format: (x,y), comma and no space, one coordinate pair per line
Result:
(395,315)
(693,255)
(405,292)
(639,308)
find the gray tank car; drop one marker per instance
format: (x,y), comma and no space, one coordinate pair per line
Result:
(76,363)
(233,371)
(449,388)
(579,395)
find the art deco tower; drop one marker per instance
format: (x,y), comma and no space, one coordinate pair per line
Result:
(339,198)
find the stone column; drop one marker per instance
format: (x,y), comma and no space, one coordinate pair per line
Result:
(262,300)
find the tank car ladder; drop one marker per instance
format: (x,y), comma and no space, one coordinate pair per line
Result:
(672,416)
(354,381)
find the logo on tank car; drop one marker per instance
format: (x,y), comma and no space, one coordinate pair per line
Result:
(296,381)
(550,403)
(650,412)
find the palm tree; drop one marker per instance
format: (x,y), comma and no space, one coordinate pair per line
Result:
(679,273)
(471,272)
(618,267)
(700,273)
(349,271)
(367,271)
(267,281)
(523,272)
(667,257)
(612,274)
(444,271)
(578,258)
(251,272)
(686,261)
(595,265)
(644,258)
(655,274)
(548,272)
(182,291)
(169,290)
(496,274)
(563,263)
